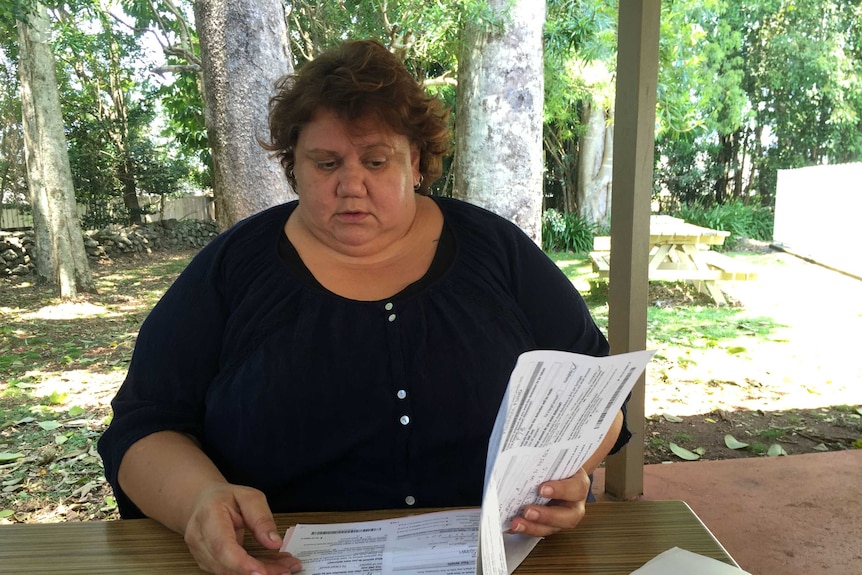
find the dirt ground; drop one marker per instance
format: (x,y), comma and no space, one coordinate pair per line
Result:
(799,390)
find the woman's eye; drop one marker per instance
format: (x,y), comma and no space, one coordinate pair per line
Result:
(326,166)
(376,164)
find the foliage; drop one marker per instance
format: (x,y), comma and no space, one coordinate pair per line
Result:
(741,220)
(566,232)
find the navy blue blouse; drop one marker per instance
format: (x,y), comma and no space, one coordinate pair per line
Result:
(326,403)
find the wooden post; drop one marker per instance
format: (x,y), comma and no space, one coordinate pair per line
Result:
(634,144)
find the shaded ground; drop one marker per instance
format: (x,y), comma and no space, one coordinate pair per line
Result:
(784,370)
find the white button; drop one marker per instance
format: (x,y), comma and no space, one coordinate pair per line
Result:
(410,500)
(405,420)
(392,317)
(388,306)
(401,394)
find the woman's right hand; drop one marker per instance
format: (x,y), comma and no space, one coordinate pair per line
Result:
(169,478)
(214,532)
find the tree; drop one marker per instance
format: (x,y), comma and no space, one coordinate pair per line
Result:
(498,130)
(243,53)
(60,256)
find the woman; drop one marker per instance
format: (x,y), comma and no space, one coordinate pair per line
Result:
(346,351)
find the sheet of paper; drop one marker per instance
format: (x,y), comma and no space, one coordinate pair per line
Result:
(677,561)
(557,409)
(441,543)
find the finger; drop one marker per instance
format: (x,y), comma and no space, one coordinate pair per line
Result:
(257,517)
(574,488)
(216,543)
(544,520)
(281,564)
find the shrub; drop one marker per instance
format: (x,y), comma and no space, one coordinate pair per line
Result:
(566,232)
(741,220)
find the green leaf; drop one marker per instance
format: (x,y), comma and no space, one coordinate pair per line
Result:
(775,450)
(76,410)
(733,443)
(671,418)
(820,447)
(60,439)
(736,349)
(50,425)
(683,453)
(859,410)
(6,456)
(4,513)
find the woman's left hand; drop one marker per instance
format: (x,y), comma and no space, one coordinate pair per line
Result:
(564,511)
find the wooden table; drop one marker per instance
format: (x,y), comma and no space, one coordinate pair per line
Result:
(680,251)
(614,539)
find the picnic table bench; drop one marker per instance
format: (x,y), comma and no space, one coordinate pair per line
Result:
(680,251)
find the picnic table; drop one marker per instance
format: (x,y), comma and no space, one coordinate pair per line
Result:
(680,251)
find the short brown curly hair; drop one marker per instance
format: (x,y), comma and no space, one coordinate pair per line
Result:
(357,80)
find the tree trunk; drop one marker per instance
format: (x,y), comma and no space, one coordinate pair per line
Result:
(498,143)
(595,165)
(59,256)
(244,51)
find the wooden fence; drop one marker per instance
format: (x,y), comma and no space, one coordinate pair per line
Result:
(185,208)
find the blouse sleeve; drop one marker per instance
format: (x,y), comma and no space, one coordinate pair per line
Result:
(176,356)
(557,314)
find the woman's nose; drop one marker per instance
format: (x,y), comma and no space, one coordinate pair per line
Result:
(351,181)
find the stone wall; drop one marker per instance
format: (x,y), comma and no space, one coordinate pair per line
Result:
(16,248)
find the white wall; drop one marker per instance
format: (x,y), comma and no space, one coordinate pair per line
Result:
(818,213)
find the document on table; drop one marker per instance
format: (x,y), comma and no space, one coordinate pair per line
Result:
(557,409)
(676,560)
(441,543)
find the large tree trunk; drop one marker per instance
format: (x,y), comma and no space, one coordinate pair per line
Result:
(244,51)
(498,143)
(595,165)
(60,256)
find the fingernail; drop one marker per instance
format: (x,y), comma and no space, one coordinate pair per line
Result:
(547,491)
(518,528)
(531,515)
(273,536)
(296,569)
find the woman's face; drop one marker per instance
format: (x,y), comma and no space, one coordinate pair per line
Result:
(355,184)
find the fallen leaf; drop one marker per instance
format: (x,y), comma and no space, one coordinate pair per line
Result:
(859,410)
(4,513)
(775,450)
(733,443)
(736,349)
(76,410)
(709,420)
(683,453)
(60,439)
(820,447)
(700,450)
(6,456)
(671,418)
(49,425)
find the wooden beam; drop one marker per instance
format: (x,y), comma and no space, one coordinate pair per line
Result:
(634,145)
